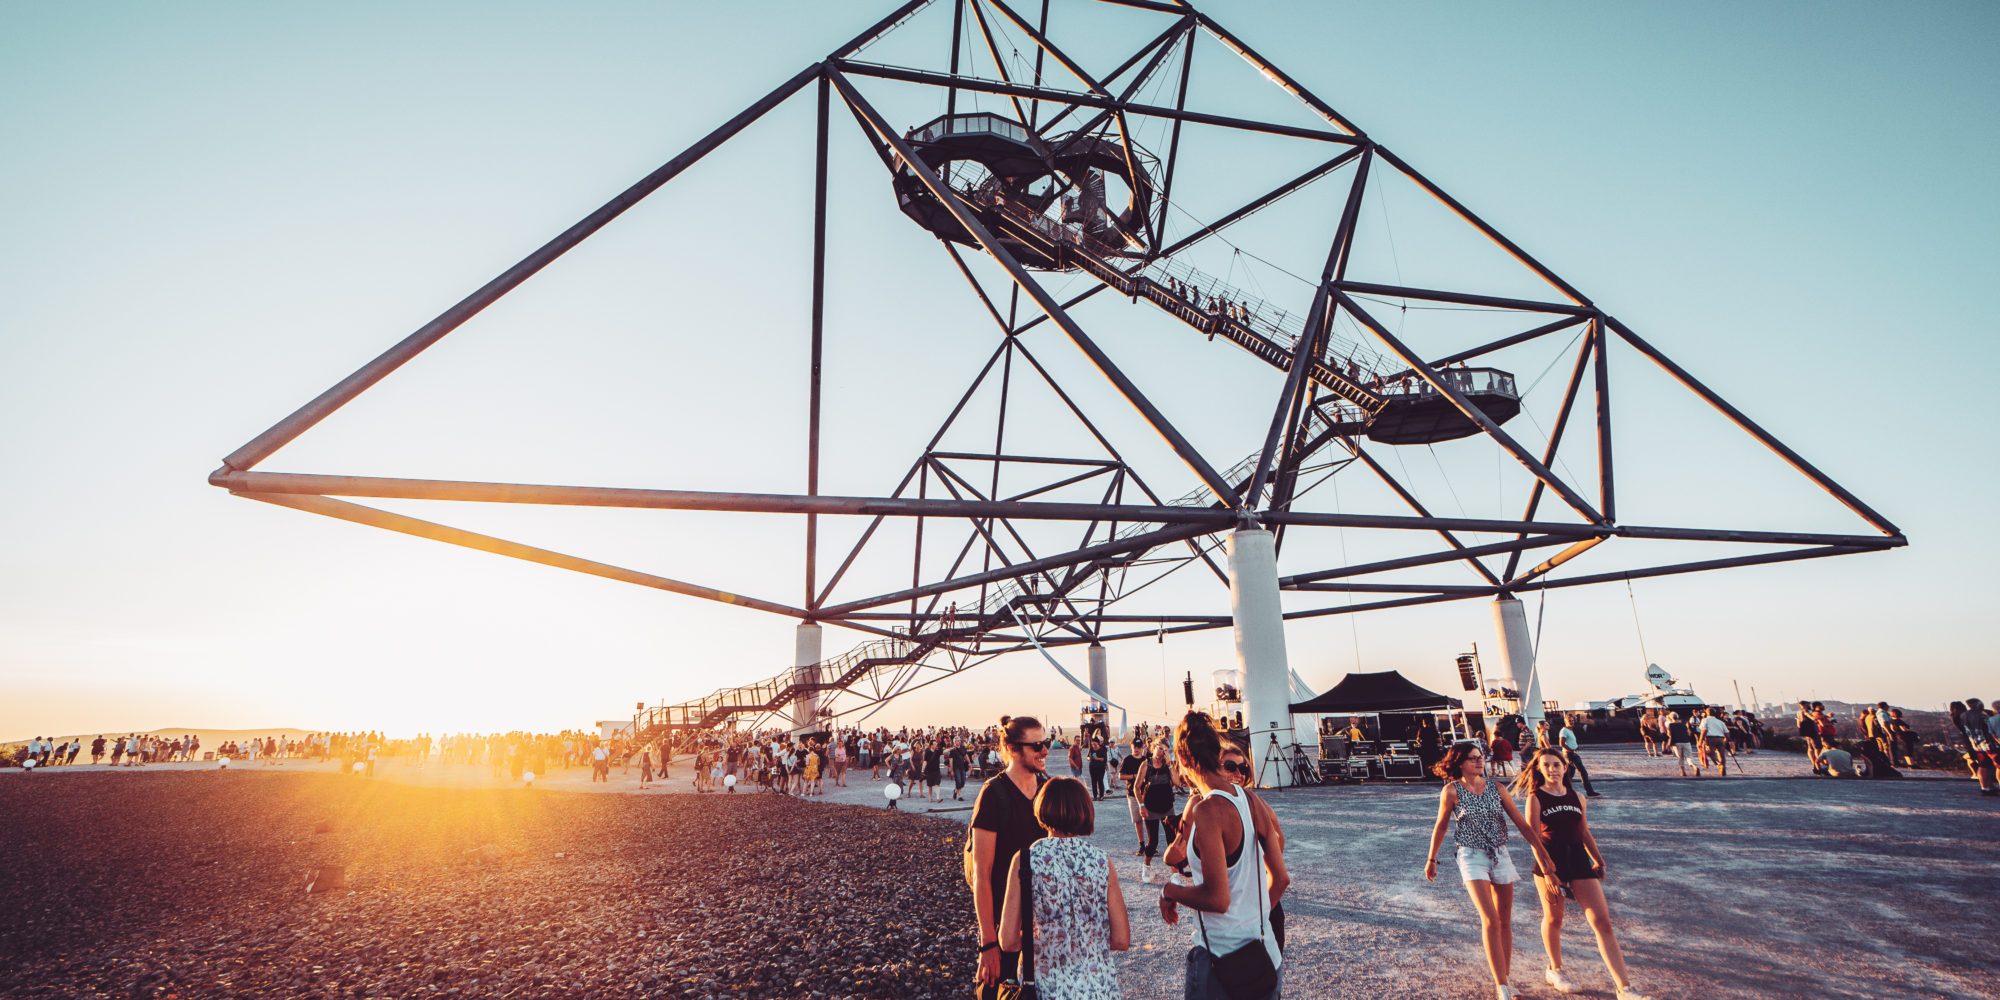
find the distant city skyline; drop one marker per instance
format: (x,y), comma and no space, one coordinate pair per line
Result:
(227,208)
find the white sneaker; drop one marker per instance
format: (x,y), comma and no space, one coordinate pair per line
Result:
(1503,993)
(1628,993)
(1146,873)
(1554,978)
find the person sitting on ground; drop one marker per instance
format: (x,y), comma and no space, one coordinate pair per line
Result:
(1839,763)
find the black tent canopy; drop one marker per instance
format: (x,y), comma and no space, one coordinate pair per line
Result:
(1376,693)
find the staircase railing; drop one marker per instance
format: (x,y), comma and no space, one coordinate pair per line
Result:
(1191,295)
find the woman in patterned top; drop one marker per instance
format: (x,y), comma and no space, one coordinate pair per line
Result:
(1482,811)
(1079,914)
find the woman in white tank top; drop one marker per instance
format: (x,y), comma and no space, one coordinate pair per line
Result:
(1227,893)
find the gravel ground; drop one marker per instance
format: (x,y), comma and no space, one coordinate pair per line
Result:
(1768,884)
(194,884)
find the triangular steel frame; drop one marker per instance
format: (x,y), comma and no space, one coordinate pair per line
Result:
(1264,492)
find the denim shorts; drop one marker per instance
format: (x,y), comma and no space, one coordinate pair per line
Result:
(1496,867)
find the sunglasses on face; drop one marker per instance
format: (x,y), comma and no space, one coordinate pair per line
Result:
(1234,767)
(1039,746)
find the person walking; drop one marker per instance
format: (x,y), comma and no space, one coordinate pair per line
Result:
(1809,734)
(1003,823)
(1480,812)
(1715,739)
(1975,742)
(646,766)
(1100,761)
(1128,765)
(1567,740)
(1153,790)
(961,765)
(1233,936)
(1065,911)
(1681,740)
(933,770)
(1559,821)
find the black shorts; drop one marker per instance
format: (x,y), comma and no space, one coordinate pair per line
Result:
(1572,864)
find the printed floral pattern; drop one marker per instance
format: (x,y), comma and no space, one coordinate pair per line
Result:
(1072,921)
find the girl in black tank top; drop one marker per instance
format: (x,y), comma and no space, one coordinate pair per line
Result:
(1561,820)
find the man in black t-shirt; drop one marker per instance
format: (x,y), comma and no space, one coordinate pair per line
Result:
(1681,739)
(1007,814)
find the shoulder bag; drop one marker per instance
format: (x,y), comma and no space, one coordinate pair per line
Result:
(1023,987)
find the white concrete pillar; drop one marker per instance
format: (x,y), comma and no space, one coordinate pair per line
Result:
(1517,656)
(805,669)
(1260,647)
(1099,676)
(1100,681)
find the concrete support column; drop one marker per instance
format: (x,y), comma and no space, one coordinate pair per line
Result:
(1517,656)
(1100,681)
(1260,647)
(805,669)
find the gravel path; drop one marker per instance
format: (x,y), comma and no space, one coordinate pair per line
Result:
(194,884)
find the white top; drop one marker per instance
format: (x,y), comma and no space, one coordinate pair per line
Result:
(1714,726)
(1249,901)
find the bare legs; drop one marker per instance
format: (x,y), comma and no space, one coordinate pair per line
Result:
(1552,920)
(1596,912)
(1496,924)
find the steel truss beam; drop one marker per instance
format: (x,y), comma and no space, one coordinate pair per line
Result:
(1067,608)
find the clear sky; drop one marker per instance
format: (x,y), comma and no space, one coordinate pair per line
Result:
(213,211)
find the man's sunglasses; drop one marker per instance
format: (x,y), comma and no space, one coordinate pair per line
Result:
(1039,746)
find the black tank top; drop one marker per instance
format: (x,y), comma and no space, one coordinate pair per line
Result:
(1562,819)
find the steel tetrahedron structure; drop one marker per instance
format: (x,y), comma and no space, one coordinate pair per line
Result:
(1040,166)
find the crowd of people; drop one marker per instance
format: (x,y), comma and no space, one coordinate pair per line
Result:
(1050,909)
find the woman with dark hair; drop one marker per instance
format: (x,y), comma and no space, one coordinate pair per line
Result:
(1152,790)
(1100,760)
(933,768)
(1235,951)
(1558,819)
(961,764)
(1003,823)
(1068,892)
(1270,836)
(1481,812)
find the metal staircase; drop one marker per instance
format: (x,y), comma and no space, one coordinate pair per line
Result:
(1201,301)
(1346,369)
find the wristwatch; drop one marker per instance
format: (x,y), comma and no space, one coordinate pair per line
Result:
(989,946)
